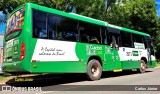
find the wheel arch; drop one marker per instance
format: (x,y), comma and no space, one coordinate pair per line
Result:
(145,59)
(97,58)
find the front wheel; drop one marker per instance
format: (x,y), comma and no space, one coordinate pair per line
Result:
(94,70)
(143,67)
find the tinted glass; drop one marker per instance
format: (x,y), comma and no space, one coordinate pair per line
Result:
(39,24)
(126,39)
(105,35)
(137,38)
(52,26)
(67,29)
(90,33)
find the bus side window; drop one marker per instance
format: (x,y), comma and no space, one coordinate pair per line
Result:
(52,26)
(137,38)
(94,40)
(69,36)
(114,41)
(67,29)
(39,24)
(126,39)
(43,33)
(150,47)
(59,37)
(104,34)
(85,38)
(90,33)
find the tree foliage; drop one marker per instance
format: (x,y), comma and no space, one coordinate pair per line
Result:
(8,6)
(139,15)
(92,8)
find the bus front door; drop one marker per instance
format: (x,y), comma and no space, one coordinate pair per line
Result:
(112,59)
(150,52)
(114,50)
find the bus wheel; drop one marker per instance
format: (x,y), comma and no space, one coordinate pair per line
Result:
(142,68)
(94,70)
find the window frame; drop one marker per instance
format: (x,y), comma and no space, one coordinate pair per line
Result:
(47,22)
(99,29)
(123,35)
(133,35)
(106,35)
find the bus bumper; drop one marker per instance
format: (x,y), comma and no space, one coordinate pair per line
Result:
(13,67)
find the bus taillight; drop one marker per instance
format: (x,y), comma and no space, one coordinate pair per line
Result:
(22,53)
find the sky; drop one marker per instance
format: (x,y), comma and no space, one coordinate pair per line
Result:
(2,27)
(158,6)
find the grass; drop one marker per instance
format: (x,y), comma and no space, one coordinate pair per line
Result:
(3,76)
(158,64)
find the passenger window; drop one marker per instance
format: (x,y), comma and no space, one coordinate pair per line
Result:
(90,33)
(126,39)
(67,29)
(138,41)
(137,38)
(52,19)
(39,24)
(114,40)
(105,35)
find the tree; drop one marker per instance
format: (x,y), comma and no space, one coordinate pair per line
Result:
(139,15)
(157,41)
(7,6)
(91,8)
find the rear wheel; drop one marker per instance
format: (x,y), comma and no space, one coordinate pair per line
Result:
(143,67)
(94,70)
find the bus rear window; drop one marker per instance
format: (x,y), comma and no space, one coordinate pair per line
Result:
(14,24)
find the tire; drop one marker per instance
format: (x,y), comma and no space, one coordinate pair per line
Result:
(143,67)
(94,70)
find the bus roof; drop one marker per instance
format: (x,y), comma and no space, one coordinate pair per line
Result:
(127,30)
(84,18)
(112,26)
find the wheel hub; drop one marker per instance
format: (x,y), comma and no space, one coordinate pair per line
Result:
(142,66)
(95,70)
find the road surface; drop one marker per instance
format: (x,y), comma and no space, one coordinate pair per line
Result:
(77,84)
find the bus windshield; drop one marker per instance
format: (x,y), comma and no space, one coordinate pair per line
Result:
(14,24)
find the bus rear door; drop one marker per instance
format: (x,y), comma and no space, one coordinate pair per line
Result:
(114,50)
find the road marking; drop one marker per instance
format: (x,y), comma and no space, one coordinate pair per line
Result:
(60,89)
(45,92)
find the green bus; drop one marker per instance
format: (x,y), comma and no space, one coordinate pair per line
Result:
(39,39)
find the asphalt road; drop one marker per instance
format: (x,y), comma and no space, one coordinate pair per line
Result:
(127,82)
